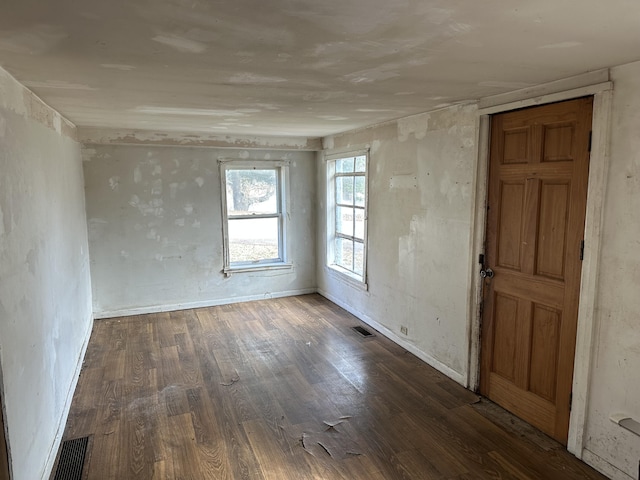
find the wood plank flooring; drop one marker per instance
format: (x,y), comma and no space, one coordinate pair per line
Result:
(285,389)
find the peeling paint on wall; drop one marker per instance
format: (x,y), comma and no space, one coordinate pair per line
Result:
(16,98)
(98,136)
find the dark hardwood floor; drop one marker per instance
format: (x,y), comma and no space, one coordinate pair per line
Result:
(285,389)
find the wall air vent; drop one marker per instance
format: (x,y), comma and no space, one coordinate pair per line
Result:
(363,331)
(71,461)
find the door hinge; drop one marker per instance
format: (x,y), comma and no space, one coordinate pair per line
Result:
(582,250)
(590,140)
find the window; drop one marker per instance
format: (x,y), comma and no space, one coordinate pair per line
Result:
(347,215)
(253,209)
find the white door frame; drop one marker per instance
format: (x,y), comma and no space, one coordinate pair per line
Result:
(602,92)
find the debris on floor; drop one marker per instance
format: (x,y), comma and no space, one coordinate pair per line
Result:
(332,424)
(332,442)
(233,380)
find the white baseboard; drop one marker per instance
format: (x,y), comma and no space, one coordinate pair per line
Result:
(200,304)
(437,364)
(603,466)
(53,453)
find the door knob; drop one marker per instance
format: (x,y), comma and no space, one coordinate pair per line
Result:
(488,273)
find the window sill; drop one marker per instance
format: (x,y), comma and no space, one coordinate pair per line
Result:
(228,271)
(347,277)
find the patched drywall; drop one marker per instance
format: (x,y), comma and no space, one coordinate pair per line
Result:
(155,228)
(45,297)
(616,356)
(421,189)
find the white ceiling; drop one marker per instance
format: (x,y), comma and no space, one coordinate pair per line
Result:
(298,67)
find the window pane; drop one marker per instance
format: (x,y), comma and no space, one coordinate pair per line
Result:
(252,191)
(349,204)
(360,191)
(344,190)
(344,220)
(344,253)
(344,165)
(359,233)
(253,239)
(358,258)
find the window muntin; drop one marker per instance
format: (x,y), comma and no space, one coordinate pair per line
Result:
(253,210)
(348,215)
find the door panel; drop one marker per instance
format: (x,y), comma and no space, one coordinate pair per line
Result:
(510,227)
(516,143)
(506,313)
(545,340)
(538,172)
(552,230)
(558,142)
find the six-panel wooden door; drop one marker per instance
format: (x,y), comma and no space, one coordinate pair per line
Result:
(538,173)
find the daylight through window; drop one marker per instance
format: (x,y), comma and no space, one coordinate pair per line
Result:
(348,191)
(253,211)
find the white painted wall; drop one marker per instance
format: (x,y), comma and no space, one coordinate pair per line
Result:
(615,379)
(45,297)
(155,228)
(420,262)
(418,237)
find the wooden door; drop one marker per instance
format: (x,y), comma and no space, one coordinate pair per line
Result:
(538,173)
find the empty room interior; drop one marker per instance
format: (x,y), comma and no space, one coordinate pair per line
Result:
(201,200)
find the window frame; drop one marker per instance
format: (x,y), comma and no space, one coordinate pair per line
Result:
(353,278)
(282,175)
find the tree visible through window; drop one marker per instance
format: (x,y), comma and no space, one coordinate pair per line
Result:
(349,191)
(253,214)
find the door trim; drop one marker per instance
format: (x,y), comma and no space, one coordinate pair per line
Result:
(5,453)
(598,170)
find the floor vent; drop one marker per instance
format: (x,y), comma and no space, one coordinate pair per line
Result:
(363,331)
(71,461)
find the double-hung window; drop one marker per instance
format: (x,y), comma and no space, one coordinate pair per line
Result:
(347,214)
(254,214)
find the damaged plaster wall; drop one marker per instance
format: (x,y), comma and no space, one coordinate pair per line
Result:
(421,200)
(45,296)
(616,358)
(155,228)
